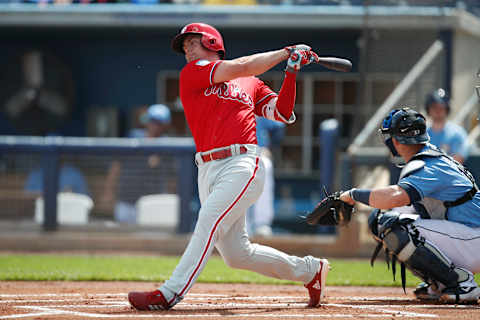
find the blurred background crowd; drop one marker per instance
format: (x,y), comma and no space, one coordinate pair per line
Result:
(469,5)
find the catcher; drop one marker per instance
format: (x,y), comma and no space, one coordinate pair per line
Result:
(429,221)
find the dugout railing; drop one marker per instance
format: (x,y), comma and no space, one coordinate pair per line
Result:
(19,155)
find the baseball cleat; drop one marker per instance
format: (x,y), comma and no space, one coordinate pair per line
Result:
(316,287)
(151,300)
(460,295)
(424,291)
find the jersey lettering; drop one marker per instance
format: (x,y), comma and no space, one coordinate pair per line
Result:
(221,114)
(229,91)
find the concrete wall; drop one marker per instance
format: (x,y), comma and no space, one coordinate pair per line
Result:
(465,64)
(395,52)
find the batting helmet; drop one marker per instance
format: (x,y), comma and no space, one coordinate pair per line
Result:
(406,125)
(438,96)
(211,38)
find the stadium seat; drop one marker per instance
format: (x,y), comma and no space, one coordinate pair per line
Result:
(72,208)
(159,210)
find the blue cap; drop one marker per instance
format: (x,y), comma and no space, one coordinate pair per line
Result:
(439,96)
(157,112)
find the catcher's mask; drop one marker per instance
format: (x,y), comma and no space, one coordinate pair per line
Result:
(406,125)
(438,96)
(211,38)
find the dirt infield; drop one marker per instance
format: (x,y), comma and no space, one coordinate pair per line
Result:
(83,300)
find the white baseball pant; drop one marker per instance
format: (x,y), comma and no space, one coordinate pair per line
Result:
(458,242)
(227,188)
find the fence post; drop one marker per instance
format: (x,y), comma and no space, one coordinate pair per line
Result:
(346,163)
(186,179)
(328,143)
(50,188)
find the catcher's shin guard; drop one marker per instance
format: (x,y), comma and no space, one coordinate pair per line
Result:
(403,242)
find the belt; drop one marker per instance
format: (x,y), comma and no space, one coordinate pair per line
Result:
(221,154)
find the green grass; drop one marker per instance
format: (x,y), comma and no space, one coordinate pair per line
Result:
(155,269)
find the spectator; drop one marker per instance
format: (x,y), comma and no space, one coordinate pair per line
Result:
(71,179)
(126,188)
(444,134)
(260,216)
(155,122)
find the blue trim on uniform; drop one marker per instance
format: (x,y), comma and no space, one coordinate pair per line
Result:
(212,72)
(361,195)
(413,193)
(268,95)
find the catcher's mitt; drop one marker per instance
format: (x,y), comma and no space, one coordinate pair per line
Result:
(331,211)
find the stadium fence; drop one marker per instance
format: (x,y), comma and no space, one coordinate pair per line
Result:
(174,172)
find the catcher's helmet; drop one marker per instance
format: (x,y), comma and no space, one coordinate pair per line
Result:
(211,38)
(438,96)
(406,125)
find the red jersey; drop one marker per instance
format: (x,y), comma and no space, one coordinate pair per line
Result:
(224,113)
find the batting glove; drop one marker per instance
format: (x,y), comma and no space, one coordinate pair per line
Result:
(299,58)
(290,49)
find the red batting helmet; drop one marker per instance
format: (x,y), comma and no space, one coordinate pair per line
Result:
(211,38)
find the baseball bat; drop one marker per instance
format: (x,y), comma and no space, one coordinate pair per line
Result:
(333,63)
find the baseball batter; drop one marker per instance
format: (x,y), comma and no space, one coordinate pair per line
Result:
(220,99)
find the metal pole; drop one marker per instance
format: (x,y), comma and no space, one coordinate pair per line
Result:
(186,178)
(50,188)
(307,124)
(328,142)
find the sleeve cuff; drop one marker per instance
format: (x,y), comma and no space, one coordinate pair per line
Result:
(212,72)
(413,193)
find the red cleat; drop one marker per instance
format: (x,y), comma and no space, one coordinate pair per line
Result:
(316,287)
(152,300)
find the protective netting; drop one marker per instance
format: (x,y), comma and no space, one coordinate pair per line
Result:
(106,177)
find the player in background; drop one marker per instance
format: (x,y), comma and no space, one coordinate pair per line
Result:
(445,134)
(261,214)
(434,226)
(220,100)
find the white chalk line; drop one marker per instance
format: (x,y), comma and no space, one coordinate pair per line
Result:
(259,298)
(38,314)
(216,315)
(379,308)
(189,306)
(201,296)
(242,306)
(209,315)
(93,295)
(59,295)
(80,306)
(55,300)
(121,304)
(188,298)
